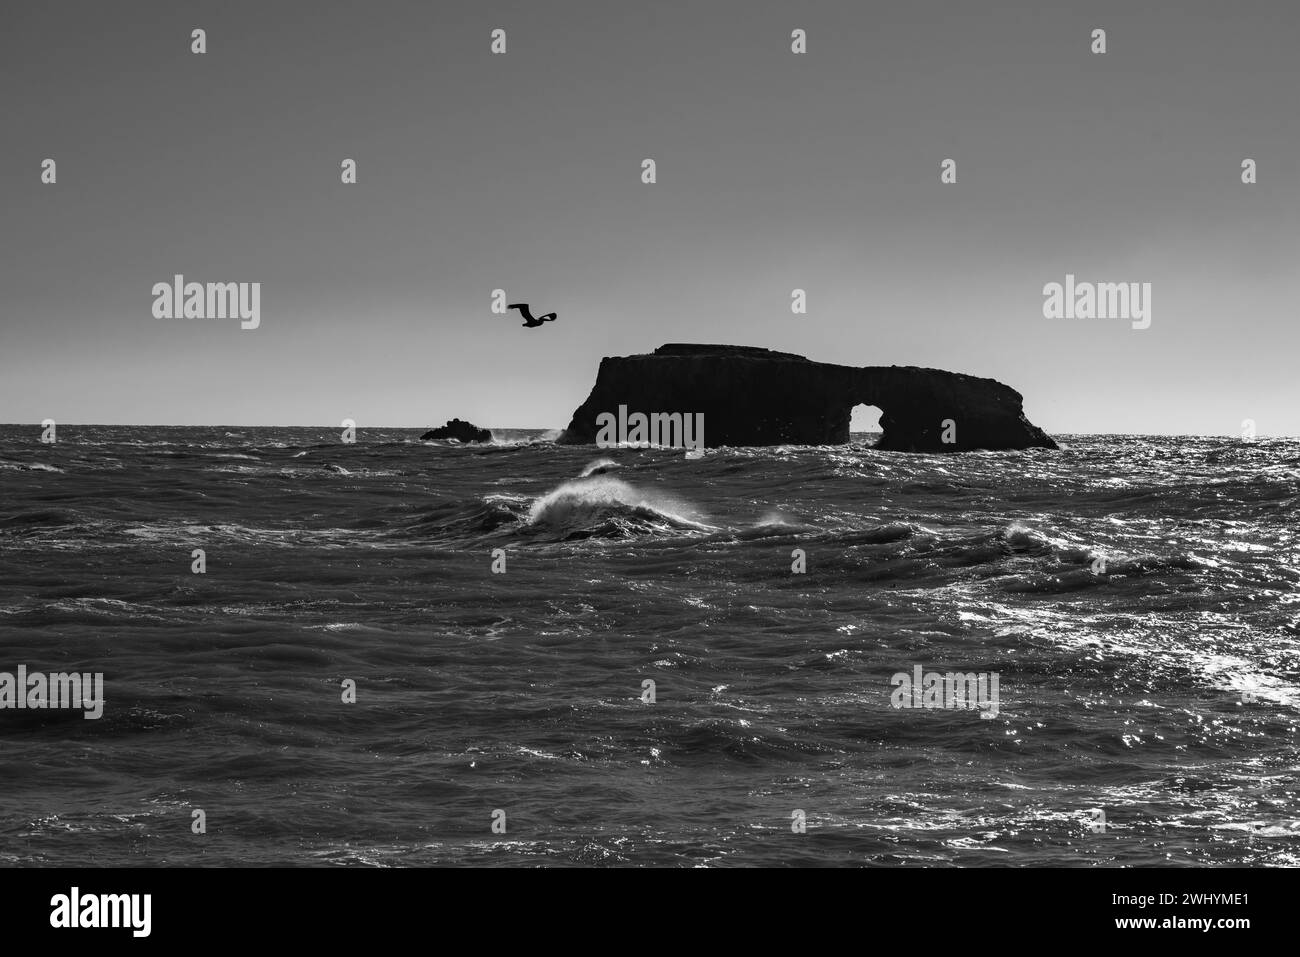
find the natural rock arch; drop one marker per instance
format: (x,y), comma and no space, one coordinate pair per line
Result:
(752,396)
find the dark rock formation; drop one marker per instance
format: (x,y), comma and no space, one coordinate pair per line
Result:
(752,396)
(459,430)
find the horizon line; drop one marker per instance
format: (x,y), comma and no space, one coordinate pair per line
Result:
(513,428)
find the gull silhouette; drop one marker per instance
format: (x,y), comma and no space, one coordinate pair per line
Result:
(529,321)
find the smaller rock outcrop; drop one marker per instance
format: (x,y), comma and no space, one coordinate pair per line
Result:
(459,430)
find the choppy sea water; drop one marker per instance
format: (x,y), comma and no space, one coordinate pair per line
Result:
(1147,714)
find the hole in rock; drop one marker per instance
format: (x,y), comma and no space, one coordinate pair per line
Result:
(864,425)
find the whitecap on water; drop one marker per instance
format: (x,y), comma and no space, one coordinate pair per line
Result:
(581,501)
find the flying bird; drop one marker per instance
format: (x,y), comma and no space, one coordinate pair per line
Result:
(529,321)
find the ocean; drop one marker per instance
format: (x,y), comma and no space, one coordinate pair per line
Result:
(500,610)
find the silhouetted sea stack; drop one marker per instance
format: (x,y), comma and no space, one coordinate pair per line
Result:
(460,430)
(752,396)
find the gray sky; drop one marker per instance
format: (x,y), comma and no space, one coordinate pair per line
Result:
(775,171)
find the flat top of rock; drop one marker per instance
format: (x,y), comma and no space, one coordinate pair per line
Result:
(715,349)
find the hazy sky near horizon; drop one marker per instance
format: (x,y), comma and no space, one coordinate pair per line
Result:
(522,171)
